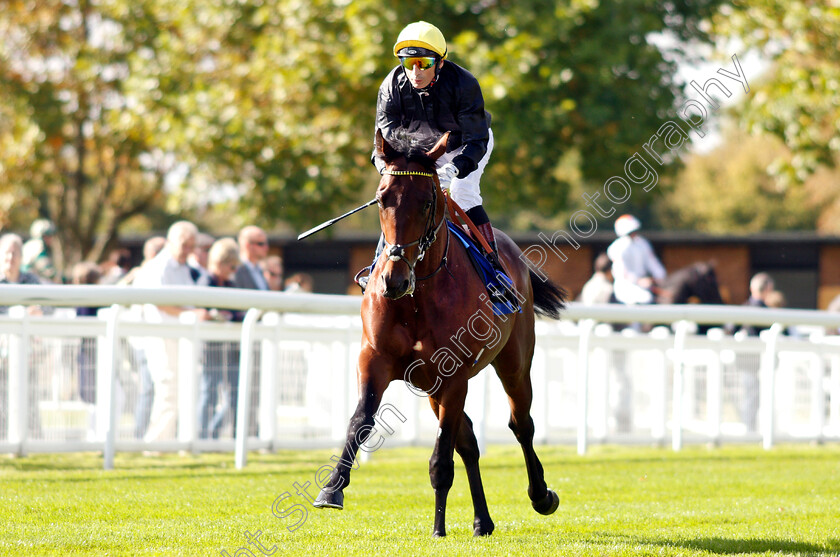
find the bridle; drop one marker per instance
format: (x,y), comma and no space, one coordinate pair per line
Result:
(396,252)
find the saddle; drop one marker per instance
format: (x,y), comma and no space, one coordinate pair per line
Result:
(499,285)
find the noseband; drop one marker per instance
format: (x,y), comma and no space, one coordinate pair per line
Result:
(396,252)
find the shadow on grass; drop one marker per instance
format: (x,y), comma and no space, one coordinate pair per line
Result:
(747,546)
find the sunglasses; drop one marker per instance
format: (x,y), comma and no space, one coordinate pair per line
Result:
(423,62)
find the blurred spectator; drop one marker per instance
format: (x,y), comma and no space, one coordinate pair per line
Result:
(38,251)
(87,273)
(299,282)
(599,288)
(834,307)
(221,358)
(11,248)
(636,269)
(116,266)
(198,258)
(761,286)
(775,299)
(272,268)
(11,251)
(151,247)
(168,268)
(253,248)
(146,390)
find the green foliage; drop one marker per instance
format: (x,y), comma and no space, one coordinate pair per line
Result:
(615,501)
(119,108)
(575,88)
(733,190)
(799,102)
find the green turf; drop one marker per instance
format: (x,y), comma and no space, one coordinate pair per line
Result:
(614,501)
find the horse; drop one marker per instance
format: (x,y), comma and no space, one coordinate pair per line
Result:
(697,282)
(428,321)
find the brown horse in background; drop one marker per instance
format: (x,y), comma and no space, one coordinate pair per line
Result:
(427,320)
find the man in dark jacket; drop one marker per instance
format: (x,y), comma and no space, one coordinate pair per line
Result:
(426,96)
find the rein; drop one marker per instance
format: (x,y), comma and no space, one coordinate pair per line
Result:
(396,252)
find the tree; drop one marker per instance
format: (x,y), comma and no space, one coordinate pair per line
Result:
(576,89)
(88,106)
(123,107)
(730,190)
(799,101)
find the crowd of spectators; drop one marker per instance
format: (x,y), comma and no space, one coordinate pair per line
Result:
(34,262)
(186,256)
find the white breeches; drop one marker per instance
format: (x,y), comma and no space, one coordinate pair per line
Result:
(466,191)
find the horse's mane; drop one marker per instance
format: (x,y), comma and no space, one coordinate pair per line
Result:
(411,146)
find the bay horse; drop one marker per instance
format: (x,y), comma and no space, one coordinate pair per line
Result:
(428,321)
(696,282)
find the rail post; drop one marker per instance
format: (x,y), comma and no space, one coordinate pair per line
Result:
(243,405)
(586,326)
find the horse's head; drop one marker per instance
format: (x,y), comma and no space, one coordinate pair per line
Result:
(705,285)
(411,210)
(695,282)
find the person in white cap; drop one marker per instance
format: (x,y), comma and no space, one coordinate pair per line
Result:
(636,269)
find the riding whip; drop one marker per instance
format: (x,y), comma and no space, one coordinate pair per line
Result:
(331,222)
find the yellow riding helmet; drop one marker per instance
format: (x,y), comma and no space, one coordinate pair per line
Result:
(421,35)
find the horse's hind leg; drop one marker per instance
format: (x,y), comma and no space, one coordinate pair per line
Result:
(467,446)
(518,389)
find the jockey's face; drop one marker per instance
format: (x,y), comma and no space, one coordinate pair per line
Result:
(420,79)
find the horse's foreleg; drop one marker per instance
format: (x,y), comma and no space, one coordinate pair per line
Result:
(467,446)
(441,465)
(358,431)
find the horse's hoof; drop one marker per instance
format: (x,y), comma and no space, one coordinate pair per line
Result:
(329,500)
(483,528)
(439,534)
(547,504)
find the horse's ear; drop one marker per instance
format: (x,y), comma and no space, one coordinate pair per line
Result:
(439,148)
(382,148)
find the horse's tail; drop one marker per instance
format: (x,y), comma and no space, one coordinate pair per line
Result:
(549,298)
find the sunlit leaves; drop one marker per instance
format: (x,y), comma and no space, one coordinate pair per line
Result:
(799,100)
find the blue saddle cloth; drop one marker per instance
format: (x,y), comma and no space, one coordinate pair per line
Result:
(503,298)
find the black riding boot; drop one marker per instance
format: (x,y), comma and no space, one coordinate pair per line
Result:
(480,219)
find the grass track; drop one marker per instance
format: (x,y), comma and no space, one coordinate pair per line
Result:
(735,500)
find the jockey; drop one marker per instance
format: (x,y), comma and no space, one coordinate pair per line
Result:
(427,95)
(636,269)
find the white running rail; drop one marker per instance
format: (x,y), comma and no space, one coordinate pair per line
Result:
(77,383)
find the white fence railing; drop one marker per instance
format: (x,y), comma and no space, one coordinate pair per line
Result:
(72,383)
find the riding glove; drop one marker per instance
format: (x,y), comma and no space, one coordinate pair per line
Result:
(446,173)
